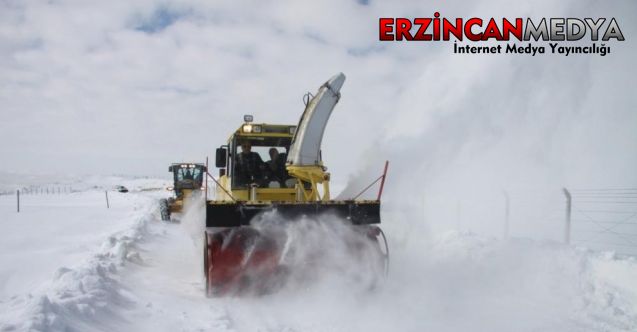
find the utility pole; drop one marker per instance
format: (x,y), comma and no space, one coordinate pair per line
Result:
(107,205)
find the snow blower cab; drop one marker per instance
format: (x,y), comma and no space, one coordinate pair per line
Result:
(275,170)
(187,180)
(253,164)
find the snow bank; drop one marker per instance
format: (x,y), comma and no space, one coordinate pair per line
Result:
(86,294)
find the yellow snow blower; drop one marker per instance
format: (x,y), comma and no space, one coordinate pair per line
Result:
(292,183)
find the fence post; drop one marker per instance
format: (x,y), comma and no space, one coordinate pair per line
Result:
(18,196)
(107,205)
(567,227)
(507,210)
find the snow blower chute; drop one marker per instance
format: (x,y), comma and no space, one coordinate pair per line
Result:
(292,184)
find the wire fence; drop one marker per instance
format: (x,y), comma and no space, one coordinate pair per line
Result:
(601,219)
(23,194)
(596,218)
(41,190)
(605,219)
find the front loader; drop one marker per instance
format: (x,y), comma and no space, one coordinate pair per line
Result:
(187,181)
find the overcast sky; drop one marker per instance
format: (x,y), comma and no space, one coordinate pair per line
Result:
(127,87)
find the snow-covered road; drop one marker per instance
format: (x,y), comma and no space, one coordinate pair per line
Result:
(145,275)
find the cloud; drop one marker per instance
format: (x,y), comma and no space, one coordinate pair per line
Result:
(122,87)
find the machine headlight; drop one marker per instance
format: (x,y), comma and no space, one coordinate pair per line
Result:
(248,118)
(202,188)
(256,129)
(292,130)
(247,128)
(169,188)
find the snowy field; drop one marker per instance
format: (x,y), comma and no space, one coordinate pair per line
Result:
(67,263)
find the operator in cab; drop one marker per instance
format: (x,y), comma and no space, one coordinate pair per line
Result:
(275,170)
(250,166)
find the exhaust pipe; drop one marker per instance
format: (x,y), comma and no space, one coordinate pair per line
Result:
(253,192)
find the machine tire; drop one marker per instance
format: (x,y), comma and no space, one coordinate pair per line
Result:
(164,209)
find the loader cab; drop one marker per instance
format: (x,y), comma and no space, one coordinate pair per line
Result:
(255,157)
(187,176)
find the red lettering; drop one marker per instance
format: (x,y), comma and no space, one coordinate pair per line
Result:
(385,29)
(492,31)
(515,30)
(403,26)
(447,28)
(467,29)
(436,26)
(390,29)
(420,34)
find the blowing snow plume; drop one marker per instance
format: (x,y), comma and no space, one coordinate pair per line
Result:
(276,253)
(193,218)
(327,249)
(452,136)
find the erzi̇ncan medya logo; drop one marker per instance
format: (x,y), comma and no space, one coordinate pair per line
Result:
(553,30)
